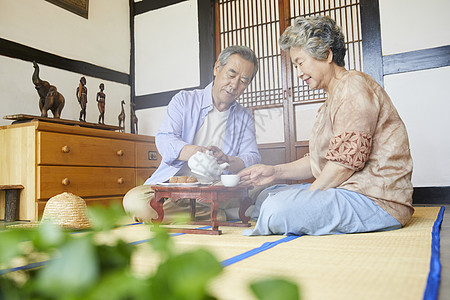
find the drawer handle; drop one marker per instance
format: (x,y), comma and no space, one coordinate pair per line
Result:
(120,153)
(120,180)
(65,149)
(65,181)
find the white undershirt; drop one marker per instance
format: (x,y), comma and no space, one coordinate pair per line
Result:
(211,133)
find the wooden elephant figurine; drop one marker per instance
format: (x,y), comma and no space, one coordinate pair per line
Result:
(49,97)
(54,101)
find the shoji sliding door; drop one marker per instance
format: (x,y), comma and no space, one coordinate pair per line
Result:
(276,96)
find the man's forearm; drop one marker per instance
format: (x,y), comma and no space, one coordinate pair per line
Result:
(188,151)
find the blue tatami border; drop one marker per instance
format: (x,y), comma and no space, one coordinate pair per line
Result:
(434,276)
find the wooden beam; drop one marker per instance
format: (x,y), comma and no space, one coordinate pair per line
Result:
(416,60)
(148,5)
(19,51)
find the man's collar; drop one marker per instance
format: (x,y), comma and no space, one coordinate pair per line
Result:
(207,98)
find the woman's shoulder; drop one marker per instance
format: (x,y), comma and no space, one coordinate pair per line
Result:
(356,82)
(356,88)
(360,79)
(354,76)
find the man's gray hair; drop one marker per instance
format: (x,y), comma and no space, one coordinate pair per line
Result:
(243,51)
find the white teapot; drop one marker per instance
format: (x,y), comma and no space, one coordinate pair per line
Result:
(205,164)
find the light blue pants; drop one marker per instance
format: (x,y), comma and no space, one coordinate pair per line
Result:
(293,210)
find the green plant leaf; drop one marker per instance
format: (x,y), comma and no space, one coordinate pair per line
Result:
(72,273)
(120,284)
(85,268)
(102,219)
(161,242)
(275,288)
(10,244)
(48,236)
(185,276)
(114,257)
(8,290)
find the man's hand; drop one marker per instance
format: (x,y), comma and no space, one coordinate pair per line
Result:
(236,164)
(258,175)
(218,154)
(189,150)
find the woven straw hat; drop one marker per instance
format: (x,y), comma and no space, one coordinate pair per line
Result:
(66,210)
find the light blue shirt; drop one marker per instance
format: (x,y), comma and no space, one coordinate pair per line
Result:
(185,115)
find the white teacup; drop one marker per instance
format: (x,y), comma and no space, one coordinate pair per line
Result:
(230,179)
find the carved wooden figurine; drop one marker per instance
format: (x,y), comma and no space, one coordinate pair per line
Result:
(121,117)
(134,119)
(49,97)
(82,98)
(101,97)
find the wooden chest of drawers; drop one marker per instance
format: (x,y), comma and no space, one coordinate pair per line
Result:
(47,159)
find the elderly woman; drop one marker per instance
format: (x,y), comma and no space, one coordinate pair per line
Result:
(359,149)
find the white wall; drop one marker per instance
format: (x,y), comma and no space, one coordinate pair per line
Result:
(150,119)
(413,25)
(425,108)
(103,40)
(167,56)
(420,97)
(167,49)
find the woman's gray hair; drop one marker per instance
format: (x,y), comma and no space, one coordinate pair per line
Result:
(243,51)
(316,35)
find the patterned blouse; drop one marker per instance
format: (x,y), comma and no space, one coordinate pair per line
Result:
(359,128)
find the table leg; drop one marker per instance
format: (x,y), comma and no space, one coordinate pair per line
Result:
(193,204)
(245,203)
(157,204)
(214,207)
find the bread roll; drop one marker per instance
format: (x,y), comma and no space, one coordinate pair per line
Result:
(191,179)
(173,179)
(182,179)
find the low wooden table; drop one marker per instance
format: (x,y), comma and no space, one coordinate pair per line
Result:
(204,194)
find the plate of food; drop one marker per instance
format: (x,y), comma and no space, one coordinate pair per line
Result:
(179,183)
(183,181)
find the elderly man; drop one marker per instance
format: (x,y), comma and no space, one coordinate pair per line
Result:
(202,120)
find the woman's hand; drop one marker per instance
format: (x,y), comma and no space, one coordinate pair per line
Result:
(258,175)
(264,174)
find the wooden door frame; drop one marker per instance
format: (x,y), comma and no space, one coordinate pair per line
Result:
(288,101)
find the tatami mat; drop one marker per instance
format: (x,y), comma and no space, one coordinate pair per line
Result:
(380,265)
